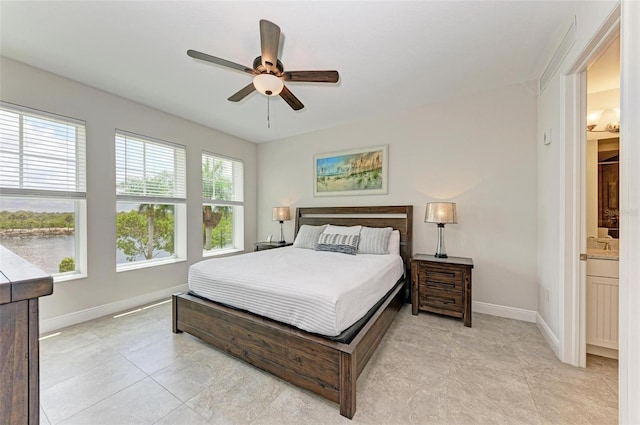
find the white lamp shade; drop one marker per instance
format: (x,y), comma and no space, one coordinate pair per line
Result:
(441,212)
(267,84)
(281,214)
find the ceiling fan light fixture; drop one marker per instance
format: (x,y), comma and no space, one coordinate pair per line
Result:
(268,84)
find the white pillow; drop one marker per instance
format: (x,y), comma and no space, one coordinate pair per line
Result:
(394,243)
(342,230)
(374,240)
(308,236)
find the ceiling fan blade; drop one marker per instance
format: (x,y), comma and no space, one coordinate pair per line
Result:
(242,93)
(293,101)
(269,43)
(218,61)
(312,76)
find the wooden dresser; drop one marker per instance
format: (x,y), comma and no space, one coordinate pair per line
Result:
(441,285)
(21,283)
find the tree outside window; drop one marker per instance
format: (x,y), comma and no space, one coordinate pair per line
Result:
(150,189)
(222,203)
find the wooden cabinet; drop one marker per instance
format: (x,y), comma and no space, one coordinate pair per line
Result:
(441,285)
(21,283)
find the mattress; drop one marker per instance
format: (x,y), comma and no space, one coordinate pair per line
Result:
(319,292)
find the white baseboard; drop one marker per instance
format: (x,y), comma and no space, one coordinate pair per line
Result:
(602,351)
(48,325)
(553,340)
(504,311)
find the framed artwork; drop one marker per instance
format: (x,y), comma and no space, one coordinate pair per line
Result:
(353,172)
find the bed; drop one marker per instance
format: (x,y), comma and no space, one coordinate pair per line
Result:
(327,367)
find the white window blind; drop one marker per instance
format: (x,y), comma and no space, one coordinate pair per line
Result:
(149,170)
(41,153)
(222,180)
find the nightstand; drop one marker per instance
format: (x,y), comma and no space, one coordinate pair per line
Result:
(441,285)
(261,246)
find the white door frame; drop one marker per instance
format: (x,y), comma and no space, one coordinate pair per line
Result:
(629,349)
(573,194)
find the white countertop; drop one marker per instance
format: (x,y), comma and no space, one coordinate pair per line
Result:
(602,254)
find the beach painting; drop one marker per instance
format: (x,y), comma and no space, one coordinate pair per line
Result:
(353,172)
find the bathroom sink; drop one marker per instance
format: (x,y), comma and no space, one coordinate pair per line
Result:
(602,253)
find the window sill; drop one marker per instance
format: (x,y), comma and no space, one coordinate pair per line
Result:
(221,252)
(67,277)
(144,264)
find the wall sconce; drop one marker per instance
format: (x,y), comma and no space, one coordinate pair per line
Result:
(604,120)
(281,214)
(441,213)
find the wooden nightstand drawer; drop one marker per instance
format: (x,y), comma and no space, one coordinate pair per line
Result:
(442,277)
(437,300)
(441,285)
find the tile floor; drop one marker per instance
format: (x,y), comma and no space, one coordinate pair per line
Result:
(428,369)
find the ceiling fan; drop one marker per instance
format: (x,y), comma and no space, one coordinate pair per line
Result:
(268,71)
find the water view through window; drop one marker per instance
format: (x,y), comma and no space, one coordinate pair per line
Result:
(40,230)
(42,189)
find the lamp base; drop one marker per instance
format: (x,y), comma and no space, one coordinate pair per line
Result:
(281,233)
(441,252)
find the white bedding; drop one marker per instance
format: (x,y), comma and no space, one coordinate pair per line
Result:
(320,292)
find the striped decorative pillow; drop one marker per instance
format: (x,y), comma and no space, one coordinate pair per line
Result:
(374,240)
(307,236)
(346,244)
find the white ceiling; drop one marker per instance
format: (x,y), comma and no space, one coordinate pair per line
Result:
(391,55)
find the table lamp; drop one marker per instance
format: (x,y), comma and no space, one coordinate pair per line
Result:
(281,214)
(441,213)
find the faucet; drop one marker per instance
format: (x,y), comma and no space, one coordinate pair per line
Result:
(607,246)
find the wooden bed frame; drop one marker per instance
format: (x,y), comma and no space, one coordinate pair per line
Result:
(325,367)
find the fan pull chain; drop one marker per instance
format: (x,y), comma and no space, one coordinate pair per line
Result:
(268,113)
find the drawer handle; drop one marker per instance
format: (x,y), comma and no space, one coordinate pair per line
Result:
(443,273)
(438,283)
(444,300)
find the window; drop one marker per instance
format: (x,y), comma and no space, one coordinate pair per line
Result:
(43,189)
(222,204)
(151,207)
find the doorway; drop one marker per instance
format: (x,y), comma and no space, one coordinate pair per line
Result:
(601,194)
(572,349)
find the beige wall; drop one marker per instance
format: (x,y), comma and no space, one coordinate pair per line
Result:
(478,151)
(103,113)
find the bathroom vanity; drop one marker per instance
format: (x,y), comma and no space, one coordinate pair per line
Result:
(602,303)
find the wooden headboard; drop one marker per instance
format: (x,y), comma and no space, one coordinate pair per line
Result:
(399,217)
